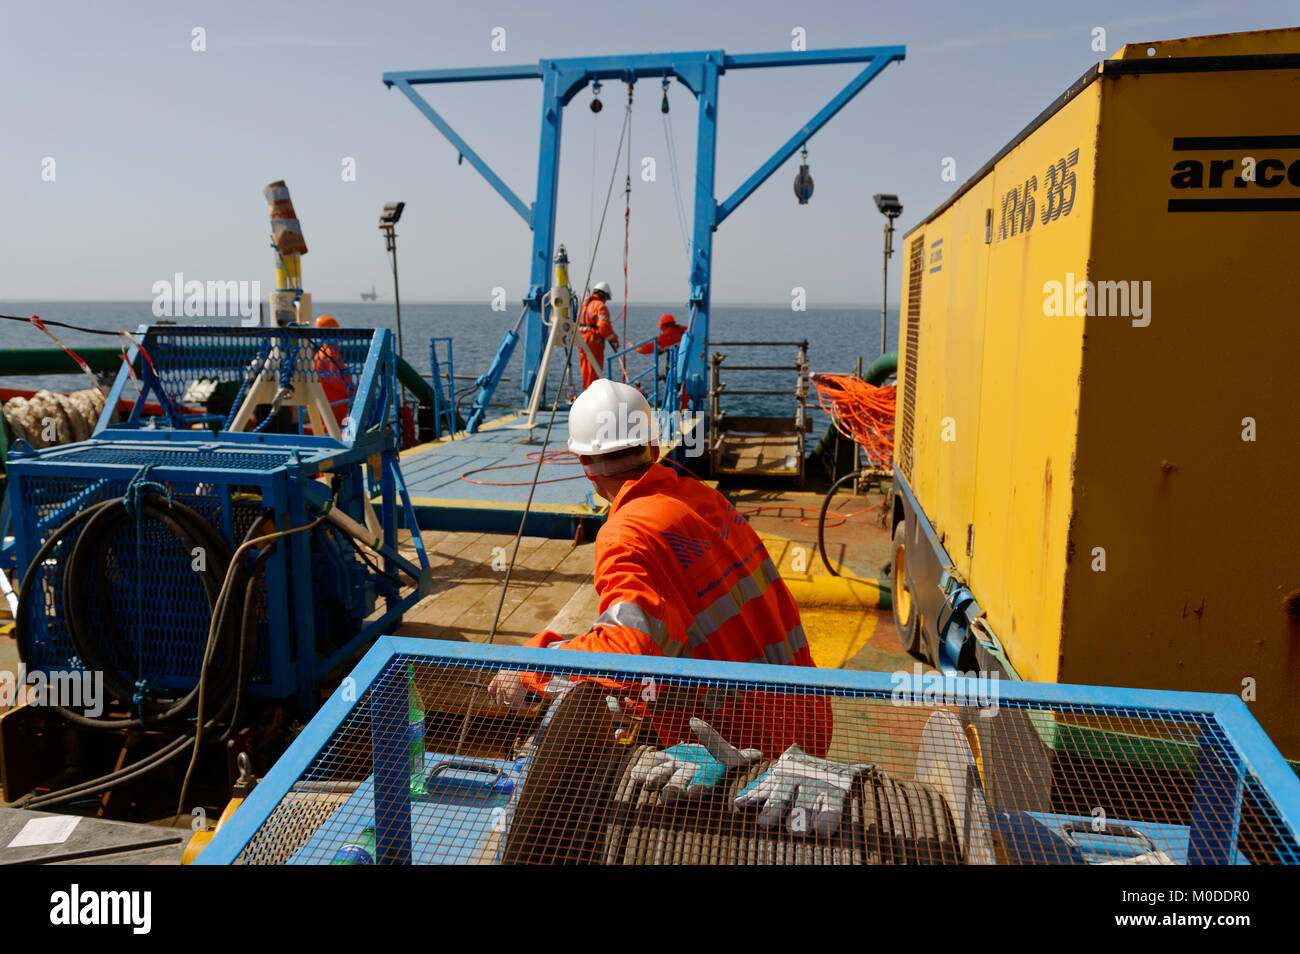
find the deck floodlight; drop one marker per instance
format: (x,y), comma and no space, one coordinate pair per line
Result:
(891,209)
(888,204)
(387,222)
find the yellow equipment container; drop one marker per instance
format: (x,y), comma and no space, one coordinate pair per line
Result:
(1116,481)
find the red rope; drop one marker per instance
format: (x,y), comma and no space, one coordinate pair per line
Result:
(550,457)
(627,227)
(36,322)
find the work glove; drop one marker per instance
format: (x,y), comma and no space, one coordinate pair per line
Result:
(817,787)
(690,770)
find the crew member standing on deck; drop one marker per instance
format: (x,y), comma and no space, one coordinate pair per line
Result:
(670,335)
(680,573)
(332,372)
(595,328)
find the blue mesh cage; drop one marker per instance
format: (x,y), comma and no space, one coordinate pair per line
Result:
(168,643)
(152,594)
(411,761)
(180,356)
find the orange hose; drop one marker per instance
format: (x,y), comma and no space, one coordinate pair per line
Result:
(862,412)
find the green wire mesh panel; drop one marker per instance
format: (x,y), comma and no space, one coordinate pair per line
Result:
(628,760)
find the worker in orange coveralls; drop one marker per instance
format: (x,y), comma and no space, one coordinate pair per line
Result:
(681,573)
(670,335)
(595,328)
(332,372)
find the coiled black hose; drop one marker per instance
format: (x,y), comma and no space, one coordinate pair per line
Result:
(229,668)
(86,569)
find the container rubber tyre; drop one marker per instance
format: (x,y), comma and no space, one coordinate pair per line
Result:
(907,614)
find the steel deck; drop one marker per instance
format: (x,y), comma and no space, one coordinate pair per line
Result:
(443,501)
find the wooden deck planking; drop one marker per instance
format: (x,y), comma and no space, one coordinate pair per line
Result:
(467,588)
(760,454)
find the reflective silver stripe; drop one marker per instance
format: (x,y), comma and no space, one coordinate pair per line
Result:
(783,653)
(727,606)
(778,654)
(634,617)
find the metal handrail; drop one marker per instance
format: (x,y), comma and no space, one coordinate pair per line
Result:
(653,369)
(760,344)
(717,389)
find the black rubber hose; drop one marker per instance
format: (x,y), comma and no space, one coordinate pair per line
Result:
(190,527)
(821,519)
(94,786)
(247,640)
(155,760)
(87,558)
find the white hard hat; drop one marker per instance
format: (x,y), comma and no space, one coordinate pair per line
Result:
(609,417)
(602,287)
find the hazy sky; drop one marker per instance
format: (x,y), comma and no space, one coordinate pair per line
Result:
(161,153)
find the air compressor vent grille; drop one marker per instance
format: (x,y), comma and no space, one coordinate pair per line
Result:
(1022,774)
(915,269)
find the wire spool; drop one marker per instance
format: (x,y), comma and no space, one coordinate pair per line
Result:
(563,805)
(580,805)
(710,830)
(885,821)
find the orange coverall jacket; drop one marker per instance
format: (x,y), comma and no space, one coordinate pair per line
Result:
(595,327)
(670,337)
(681,573)
(334,379)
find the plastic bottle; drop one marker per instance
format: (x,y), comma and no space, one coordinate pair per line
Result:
(415,711)
(359,850)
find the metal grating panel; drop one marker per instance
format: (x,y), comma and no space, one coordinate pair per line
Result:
(410,761)
(915,270)
(134,456)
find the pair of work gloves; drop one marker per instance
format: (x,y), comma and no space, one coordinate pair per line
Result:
(807,791)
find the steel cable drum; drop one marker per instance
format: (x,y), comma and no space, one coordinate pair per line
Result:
(565,801)
(580,804)
(945,762)
(886,821)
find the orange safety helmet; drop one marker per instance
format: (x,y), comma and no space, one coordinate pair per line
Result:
(326,321)
(666,320)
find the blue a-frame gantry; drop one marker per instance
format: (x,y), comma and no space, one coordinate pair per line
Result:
(562,79)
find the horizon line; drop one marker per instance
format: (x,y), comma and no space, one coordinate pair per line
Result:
(430,301)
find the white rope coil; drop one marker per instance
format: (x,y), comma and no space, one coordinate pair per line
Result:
(49,418)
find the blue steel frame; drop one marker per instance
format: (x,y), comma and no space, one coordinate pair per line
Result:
(1234,727)
(562,79)
(289,489)
(653,369)
(444,408)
